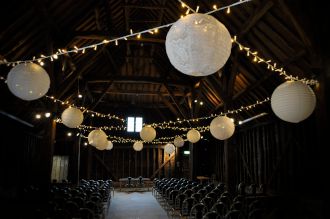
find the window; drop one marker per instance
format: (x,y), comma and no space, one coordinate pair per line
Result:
(134,124)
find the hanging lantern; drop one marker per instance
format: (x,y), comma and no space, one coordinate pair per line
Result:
(178,141)
(193,136)
(293,101)
(109,146)
(198,45)
(72,117)
(28,81)
(222,127)
(148,133)
(138,145)
(98,139)
(169,149)
(102,146)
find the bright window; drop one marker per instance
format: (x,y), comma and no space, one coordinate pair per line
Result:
(134,124)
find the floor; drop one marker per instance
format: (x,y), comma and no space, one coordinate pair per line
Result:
(135,205)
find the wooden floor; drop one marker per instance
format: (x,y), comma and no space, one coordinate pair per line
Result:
(135,205)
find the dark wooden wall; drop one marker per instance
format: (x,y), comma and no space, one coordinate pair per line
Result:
(283,157)
(122,161)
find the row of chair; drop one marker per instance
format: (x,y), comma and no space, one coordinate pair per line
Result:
(185,198)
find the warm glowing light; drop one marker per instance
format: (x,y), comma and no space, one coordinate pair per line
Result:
(38,116)
(47,115)
(69,134)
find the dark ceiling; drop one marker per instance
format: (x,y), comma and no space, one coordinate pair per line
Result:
(135,77)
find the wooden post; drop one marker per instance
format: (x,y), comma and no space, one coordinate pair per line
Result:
(192,161)
(46,157)
(229,155)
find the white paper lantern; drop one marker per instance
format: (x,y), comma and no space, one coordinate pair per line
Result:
(138,145)
(109,146)
(222,127)
(178,141)
(193,136)
(98,139)
(28,81)
(198,45)
(169,148)
(72,117)
(293,101)
(102,146)
(148,133)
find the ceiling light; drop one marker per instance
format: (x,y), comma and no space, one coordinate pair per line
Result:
(47,115)
(38,116)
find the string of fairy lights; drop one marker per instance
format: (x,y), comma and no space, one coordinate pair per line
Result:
(174,125)
(84,109)
(169,124)
(123,140)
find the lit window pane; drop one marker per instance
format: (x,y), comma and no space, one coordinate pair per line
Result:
(138,124)
(130,124)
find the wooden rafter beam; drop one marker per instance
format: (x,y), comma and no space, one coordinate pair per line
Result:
(138,80)
(139,92)
(103,94)
(170,106)
(69,82)
(262,9)
(99,35)
(172,96)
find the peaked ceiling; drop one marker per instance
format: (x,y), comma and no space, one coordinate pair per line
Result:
(135,76)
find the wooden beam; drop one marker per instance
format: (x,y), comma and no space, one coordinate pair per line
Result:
(262,9)
(163,165)
(172,96)
(139,92)
(149,7)
(105,166)
(16,119)
(102,95)
(287,13)
(138,80)
(64,87)
(99,35)
(170,106)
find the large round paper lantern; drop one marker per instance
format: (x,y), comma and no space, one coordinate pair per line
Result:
(293,101)
(72,117)
(169,148)
(222,127)
(178,141)
(193,135)
(28,81)
(98,139)
(198,45)
(148,133)
(138,145)
(109,146)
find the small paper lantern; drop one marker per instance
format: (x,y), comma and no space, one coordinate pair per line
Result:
(148,133)
(169,148)
(98,139)
(222,127)
(293,101)
(72,117)
(193,136)
(138,145)
(28,81)
(109,146)
(178,141)
(198,45)
(102,146)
